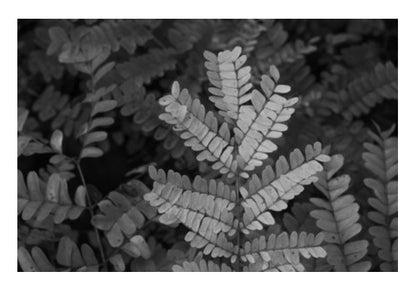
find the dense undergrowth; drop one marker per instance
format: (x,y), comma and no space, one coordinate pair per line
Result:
(207,145)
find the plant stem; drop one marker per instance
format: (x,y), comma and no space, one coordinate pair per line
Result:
(97,234)
(237,190)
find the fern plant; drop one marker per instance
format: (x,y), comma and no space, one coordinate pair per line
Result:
(224,217)
(116,175)
(365,92)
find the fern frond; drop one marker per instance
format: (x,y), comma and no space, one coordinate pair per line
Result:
(146,110)
(50,103)
(128,34)
(62,114)
(38,199)
(145,67)
(276,188)
(48,66)
(201,130)
(264,119)
(201,266)
(203,208)
(366,92)
(186,33)
(78,117)
(296,50)
(273,45)
(275,265)
(299,76)
(337,216)
(119,217)
(229,80)
(382,160)
(239,32)
(28,146)
(68,255)
(366,26)
(213,244)
(61,164)
(87,132)
(284,249)
(177,190)
(210,187)
(361,56)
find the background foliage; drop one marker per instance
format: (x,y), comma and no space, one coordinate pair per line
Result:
(89,129)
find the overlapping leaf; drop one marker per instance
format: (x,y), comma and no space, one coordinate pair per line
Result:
(137,247)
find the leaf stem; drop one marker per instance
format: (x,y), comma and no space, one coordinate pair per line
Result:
(237,190)
(97,234)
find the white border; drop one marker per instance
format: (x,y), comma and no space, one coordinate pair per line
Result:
(205,9)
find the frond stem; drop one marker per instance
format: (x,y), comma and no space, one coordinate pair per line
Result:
(97,234)
(237,191)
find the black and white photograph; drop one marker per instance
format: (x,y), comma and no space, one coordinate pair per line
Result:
(207,145)
(178,144)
